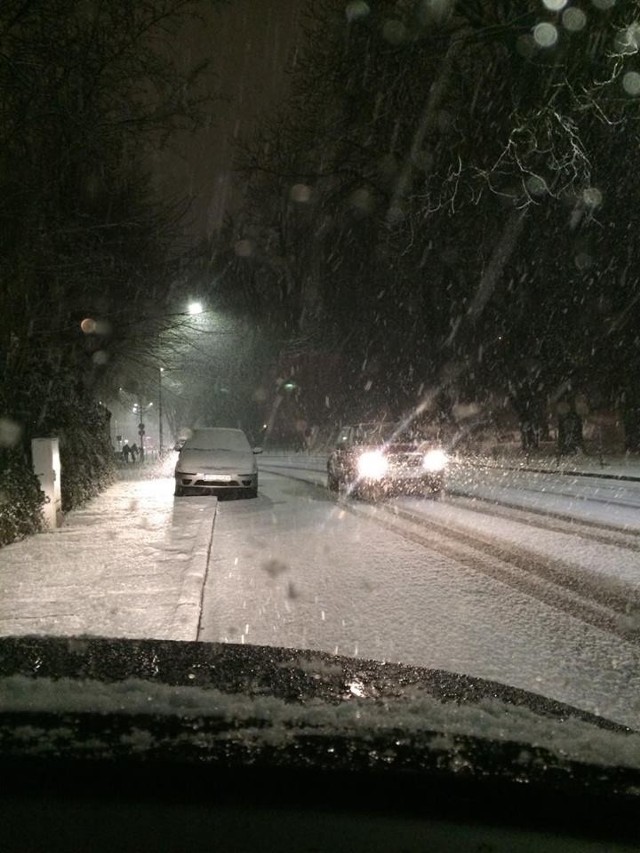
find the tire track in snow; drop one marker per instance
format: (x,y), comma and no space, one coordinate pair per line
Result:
(606,603)
(557,583)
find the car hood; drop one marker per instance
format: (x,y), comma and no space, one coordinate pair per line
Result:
(215,460)
(201,702)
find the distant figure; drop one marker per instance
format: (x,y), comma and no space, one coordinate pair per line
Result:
(134,452)
(126,450)
(570,439)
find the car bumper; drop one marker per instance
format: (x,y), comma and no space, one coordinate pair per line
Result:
(405,483)
(212,482)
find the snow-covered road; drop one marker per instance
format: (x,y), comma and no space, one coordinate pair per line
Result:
(605,500)
(297,568)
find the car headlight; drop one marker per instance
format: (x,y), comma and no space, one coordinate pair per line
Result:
(372,465)
(434,460)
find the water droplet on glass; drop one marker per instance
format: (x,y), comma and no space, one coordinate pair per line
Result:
(356,9)
(545,34)
(394,31)
(574,19)
(300,193)
(10,432)
(631,83)
(592,197)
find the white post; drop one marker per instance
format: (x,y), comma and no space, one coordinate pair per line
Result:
(46,464)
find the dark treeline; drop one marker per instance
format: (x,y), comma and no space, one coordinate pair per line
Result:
(443,211)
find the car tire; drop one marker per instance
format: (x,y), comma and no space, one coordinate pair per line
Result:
(178,492)
(252,492)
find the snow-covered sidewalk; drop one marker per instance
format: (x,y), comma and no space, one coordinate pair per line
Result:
(128,564)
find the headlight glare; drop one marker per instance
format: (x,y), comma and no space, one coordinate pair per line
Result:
(434,460)
(372,465)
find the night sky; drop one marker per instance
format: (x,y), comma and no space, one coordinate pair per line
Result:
(249,44)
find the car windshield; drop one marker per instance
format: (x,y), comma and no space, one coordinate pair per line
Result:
(218,439)
(397,433)
(281,228)
(375,433)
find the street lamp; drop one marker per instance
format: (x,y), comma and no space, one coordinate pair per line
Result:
(195,308)
(160,372)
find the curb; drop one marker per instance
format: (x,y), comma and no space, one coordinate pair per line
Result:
(185,624)
(562,472)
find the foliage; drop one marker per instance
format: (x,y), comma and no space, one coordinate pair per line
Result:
(445,194)
(20,497)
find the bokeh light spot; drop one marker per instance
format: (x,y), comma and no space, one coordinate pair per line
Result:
(592,197)
(243,248)
(10,432)
(627,41)
(545,34)
(631,83)
(88,326)
(100,357)
(300,193)
(434,11)
(356,10)
(394,31)
(536,185)
(361,200)
(554,5)
(574,20)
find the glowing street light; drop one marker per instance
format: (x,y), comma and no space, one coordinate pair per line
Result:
(195,308)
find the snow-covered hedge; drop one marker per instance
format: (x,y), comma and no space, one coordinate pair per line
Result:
(86,459)
(20,498)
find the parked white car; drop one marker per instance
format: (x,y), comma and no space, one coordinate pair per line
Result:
(215,460)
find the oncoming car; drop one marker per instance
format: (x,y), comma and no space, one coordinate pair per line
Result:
(214,460)
(380,459)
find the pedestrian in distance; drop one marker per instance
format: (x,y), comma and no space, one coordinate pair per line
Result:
(134,452)
(126,450)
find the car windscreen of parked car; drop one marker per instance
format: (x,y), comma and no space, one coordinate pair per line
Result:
(218,439)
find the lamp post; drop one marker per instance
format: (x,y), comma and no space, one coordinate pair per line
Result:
(160,372)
